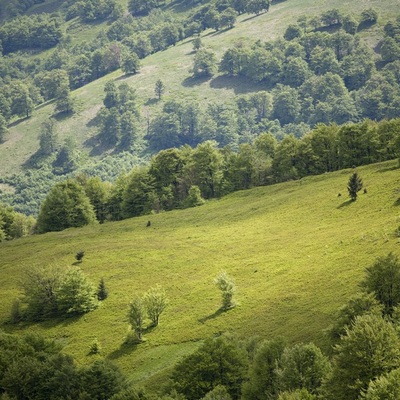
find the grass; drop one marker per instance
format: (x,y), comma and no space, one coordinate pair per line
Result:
(296,250)
(173,66)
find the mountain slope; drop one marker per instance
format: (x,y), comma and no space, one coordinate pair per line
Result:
(296,250)
(173,65)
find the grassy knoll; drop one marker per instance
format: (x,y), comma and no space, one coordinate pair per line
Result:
(172,66)
(296,250)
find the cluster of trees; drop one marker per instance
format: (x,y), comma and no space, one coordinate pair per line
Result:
(94,10)
(13,224)
(33,367)
(318,76)
(184,177)
(18,7)
(119,118)
(34,32)
(152,304)
(50,292)
(364,360)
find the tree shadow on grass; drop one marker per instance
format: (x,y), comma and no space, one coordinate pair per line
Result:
(124,349)
(211,316)
(240,85)
(397,202)
(346,203)
(387,169)
(191,81)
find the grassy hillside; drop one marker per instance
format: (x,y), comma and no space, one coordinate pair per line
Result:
(296,250)
(173,67)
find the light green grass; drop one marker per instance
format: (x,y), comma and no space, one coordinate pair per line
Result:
(172,66)
(296,250)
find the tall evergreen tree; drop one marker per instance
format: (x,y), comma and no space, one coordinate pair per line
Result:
(354,186)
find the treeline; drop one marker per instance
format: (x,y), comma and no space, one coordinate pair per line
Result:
(362,358)
(13,224)
(184,177)
(30,32)
(33,367)
(14,8)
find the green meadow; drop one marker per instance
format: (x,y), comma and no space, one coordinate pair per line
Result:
(296,250)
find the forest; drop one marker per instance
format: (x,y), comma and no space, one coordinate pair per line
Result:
(326,100)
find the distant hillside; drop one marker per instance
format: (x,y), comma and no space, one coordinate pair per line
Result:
(296,250)
(79,132)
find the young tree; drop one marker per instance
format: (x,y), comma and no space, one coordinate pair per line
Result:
(194,198)
(383,280)
(64,102)
(159,89)
(48,139)
(136,316)
(227,286)
(354,185)
(205,63)
(102,292)
(79,255)
(155,302)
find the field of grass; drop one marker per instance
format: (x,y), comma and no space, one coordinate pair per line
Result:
(173,66)
(296,250)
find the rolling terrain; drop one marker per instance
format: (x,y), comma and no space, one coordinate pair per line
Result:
(296,250)
(173,67)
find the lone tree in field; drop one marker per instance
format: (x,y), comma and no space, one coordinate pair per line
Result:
(383,280)
(79,255)
(136,316)
(102,292)
(155,302)
(227,286)
(159,89)
(354,186)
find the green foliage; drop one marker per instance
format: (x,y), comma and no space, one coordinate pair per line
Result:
(3,129)
(130,63)
(383,280)
(48,138)
(299,394)
(358,305)
(216,362)
(75,294)
(194,198)
(220,392)
(354,185)
(139,195)
(50,292)
(303,367)
(227,287)
(136,316)
(25,32)
(369,349)
(263,372)
(155,302)
(204,63)
(159,88)
(65,206)
(102,292)
(385,387)
(95,347)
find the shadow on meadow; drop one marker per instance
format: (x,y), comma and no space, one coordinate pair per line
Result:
(345,204)
(211,316)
